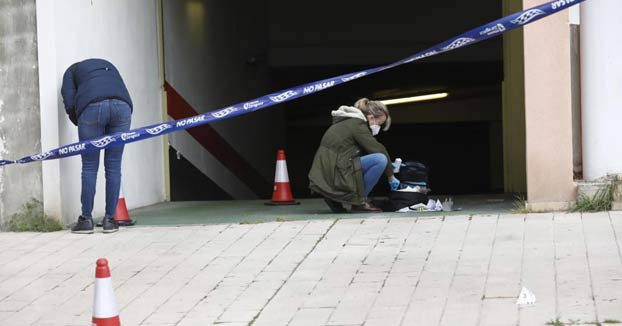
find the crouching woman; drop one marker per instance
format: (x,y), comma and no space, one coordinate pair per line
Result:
(350,161)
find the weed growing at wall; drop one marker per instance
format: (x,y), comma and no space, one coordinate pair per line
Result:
(32,219)
(519,206)
(601,201)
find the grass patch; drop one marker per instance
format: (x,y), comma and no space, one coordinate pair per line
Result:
(601,201)
(555,322)
(32,219)
(519,206)
(282,219)
(245,222)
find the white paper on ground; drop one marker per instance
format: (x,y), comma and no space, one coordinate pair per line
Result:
(438,206)
(448,204)
(526,297)
(431,204)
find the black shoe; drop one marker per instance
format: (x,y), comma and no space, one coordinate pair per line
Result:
(83,226)
(335,207)
(109,225)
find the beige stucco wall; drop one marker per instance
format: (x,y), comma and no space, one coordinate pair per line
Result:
(548,112)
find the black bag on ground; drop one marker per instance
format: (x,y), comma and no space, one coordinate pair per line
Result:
(413,173)
(400,199)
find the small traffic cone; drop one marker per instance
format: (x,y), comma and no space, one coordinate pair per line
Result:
(121,216)
(282,194)
(105,311)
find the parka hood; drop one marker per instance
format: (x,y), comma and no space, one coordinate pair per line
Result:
(347,112)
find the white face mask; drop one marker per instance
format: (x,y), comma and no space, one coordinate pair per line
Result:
(375,129)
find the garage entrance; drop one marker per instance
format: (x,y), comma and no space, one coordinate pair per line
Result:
(220,53)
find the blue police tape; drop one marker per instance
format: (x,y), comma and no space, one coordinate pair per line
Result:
(473,36)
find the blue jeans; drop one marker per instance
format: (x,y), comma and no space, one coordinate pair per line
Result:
(373,166)
(99,119)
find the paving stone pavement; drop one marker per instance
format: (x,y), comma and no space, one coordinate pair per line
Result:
(381,270)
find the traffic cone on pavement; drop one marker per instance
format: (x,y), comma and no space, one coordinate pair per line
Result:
(282,194)
(105,311)
(121,216)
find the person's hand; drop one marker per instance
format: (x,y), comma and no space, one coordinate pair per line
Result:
(394,183)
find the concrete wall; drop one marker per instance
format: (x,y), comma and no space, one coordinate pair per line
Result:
(215,57)
(548,112)
(124,32)
(19,105)
(601,73)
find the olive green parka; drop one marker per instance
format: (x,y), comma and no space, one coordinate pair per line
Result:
(336,170)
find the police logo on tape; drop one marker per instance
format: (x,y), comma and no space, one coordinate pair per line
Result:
(499,28)
(158,129)
(283,96)
(129,135)
(527,16)
(103,141)
(459,43)
(252,104)
(224,112)
(41,157)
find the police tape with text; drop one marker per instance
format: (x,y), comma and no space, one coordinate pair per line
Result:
(493,29)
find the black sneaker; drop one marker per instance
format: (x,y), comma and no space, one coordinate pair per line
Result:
(335,207)
(109,225)
(83,226)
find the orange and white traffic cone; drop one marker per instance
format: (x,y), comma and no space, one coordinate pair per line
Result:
(282,194)
(121,216)
(105,311)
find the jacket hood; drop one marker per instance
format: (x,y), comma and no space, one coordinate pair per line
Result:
(347,112)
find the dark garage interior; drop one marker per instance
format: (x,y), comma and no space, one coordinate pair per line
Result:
(279,45)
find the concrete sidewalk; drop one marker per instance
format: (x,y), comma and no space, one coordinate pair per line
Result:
(457,270)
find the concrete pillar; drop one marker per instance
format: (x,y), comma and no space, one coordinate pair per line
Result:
(601,73)
(514,162)
(50,108)
(548,112)
(19,105)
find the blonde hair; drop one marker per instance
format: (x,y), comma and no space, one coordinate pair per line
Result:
(375,108)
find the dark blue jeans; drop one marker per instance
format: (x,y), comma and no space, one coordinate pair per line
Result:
(99,119)
(373,166)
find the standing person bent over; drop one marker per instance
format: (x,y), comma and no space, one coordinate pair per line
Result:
(97,101)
